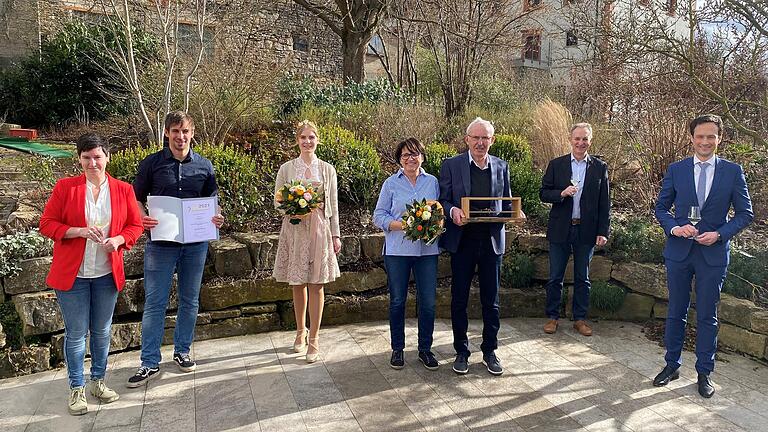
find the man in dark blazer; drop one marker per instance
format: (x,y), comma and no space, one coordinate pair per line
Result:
(577,186)
(699,248)
(477,245)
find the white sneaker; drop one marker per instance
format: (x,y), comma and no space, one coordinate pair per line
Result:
(77,403)
(102,392)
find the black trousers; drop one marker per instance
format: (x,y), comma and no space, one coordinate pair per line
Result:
(475,254)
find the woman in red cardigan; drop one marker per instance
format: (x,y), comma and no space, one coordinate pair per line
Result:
(92,219)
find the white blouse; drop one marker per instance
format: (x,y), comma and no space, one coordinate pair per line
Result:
(98,213)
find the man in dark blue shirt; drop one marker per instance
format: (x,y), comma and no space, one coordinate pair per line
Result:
(179,172)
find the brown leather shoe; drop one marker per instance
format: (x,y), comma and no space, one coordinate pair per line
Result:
(551,326)
(582,327)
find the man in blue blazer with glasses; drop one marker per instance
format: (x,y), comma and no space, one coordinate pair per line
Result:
(474,246)
(693,205)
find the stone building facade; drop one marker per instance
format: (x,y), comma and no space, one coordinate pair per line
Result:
(272,32)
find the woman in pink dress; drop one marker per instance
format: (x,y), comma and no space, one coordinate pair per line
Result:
(306,252)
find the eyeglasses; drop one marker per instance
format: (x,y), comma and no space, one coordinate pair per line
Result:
(480,138)
(411,156)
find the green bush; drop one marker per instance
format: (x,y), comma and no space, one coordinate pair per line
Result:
(636,239)
(514,149)
(42,169)
(517,270)
(524,177)
(293,94)
(606,297)
(357,165)
(68,78)
(20,246)
(124,164)
(436,153)
(245,181)
(747,275)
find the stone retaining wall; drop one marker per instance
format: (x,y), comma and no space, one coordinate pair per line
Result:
(239,297)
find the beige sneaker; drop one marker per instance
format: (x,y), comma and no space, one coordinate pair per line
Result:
(102,392)
(77,402)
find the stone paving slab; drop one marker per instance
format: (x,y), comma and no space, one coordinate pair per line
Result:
(561,382)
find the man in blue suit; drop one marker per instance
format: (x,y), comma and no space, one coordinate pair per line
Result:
(699,248)
(474,246)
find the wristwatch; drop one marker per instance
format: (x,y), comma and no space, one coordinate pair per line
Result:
(719,238)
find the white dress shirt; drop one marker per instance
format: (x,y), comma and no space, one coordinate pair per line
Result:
(578,173)
(710,173)
(472,162)
(98,212)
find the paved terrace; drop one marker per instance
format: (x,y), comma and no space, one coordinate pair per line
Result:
(551,383)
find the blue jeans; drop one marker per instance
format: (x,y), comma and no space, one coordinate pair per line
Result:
(160,261)
(558,260)
(398,274)
(475,254)
(87,307)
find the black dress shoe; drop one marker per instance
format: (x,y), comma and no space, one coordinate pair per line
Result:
(665,376)
(705,386)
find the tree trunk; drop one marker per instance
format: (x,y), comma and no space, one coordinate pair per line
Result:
(354,46)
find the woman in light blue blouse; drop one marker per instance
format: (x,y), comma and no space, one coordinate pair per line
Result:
(403,256)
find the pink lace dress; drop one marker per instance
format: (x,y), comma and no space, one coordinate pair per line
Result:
(305,251)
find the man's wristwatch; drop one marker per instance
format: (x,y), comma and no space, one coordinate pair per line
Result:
(719,238)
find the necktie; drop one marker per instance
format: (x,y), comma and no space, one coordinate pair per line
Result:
(701,188)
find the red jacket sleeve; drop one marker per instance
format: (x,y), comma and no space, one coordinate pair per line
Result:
(133,227)
(51,224)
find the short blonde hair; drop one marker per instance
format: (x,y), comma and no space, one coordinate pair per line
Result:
(305,124)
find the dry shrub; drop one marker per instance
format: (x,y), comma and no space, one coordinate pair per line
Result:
(396,123)
(551,127)
(231,92)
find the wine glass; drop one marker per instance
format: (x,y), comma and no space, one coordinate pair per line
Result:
(575,182)
(694,215)
(99,221)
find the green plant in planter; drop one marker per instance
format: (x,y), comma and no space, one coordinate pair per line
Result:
(747,275)
(637,239)
(606,297)
(517,270)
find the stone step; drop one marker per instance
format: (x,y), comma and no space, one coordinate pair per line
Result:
(12,175)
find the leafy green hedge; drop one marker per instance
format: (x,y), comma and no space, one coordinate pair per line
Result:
(524,177)
(436,153)
(245,181)
(357,165)
(64,80)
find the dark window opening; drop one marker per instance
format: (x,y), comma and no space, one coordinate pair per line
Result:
(531,46)
(300,44)
(571,39)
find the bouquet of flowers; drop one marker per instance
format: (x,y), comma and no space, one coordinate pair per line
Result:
(298,198)
(423,220)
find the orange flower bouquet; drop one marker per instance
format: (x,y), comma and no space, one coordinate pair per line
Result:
(423,220)
(298,198)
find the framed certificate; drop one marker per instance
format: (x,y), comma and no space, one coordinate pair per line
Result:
(183,220)
(514,216)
